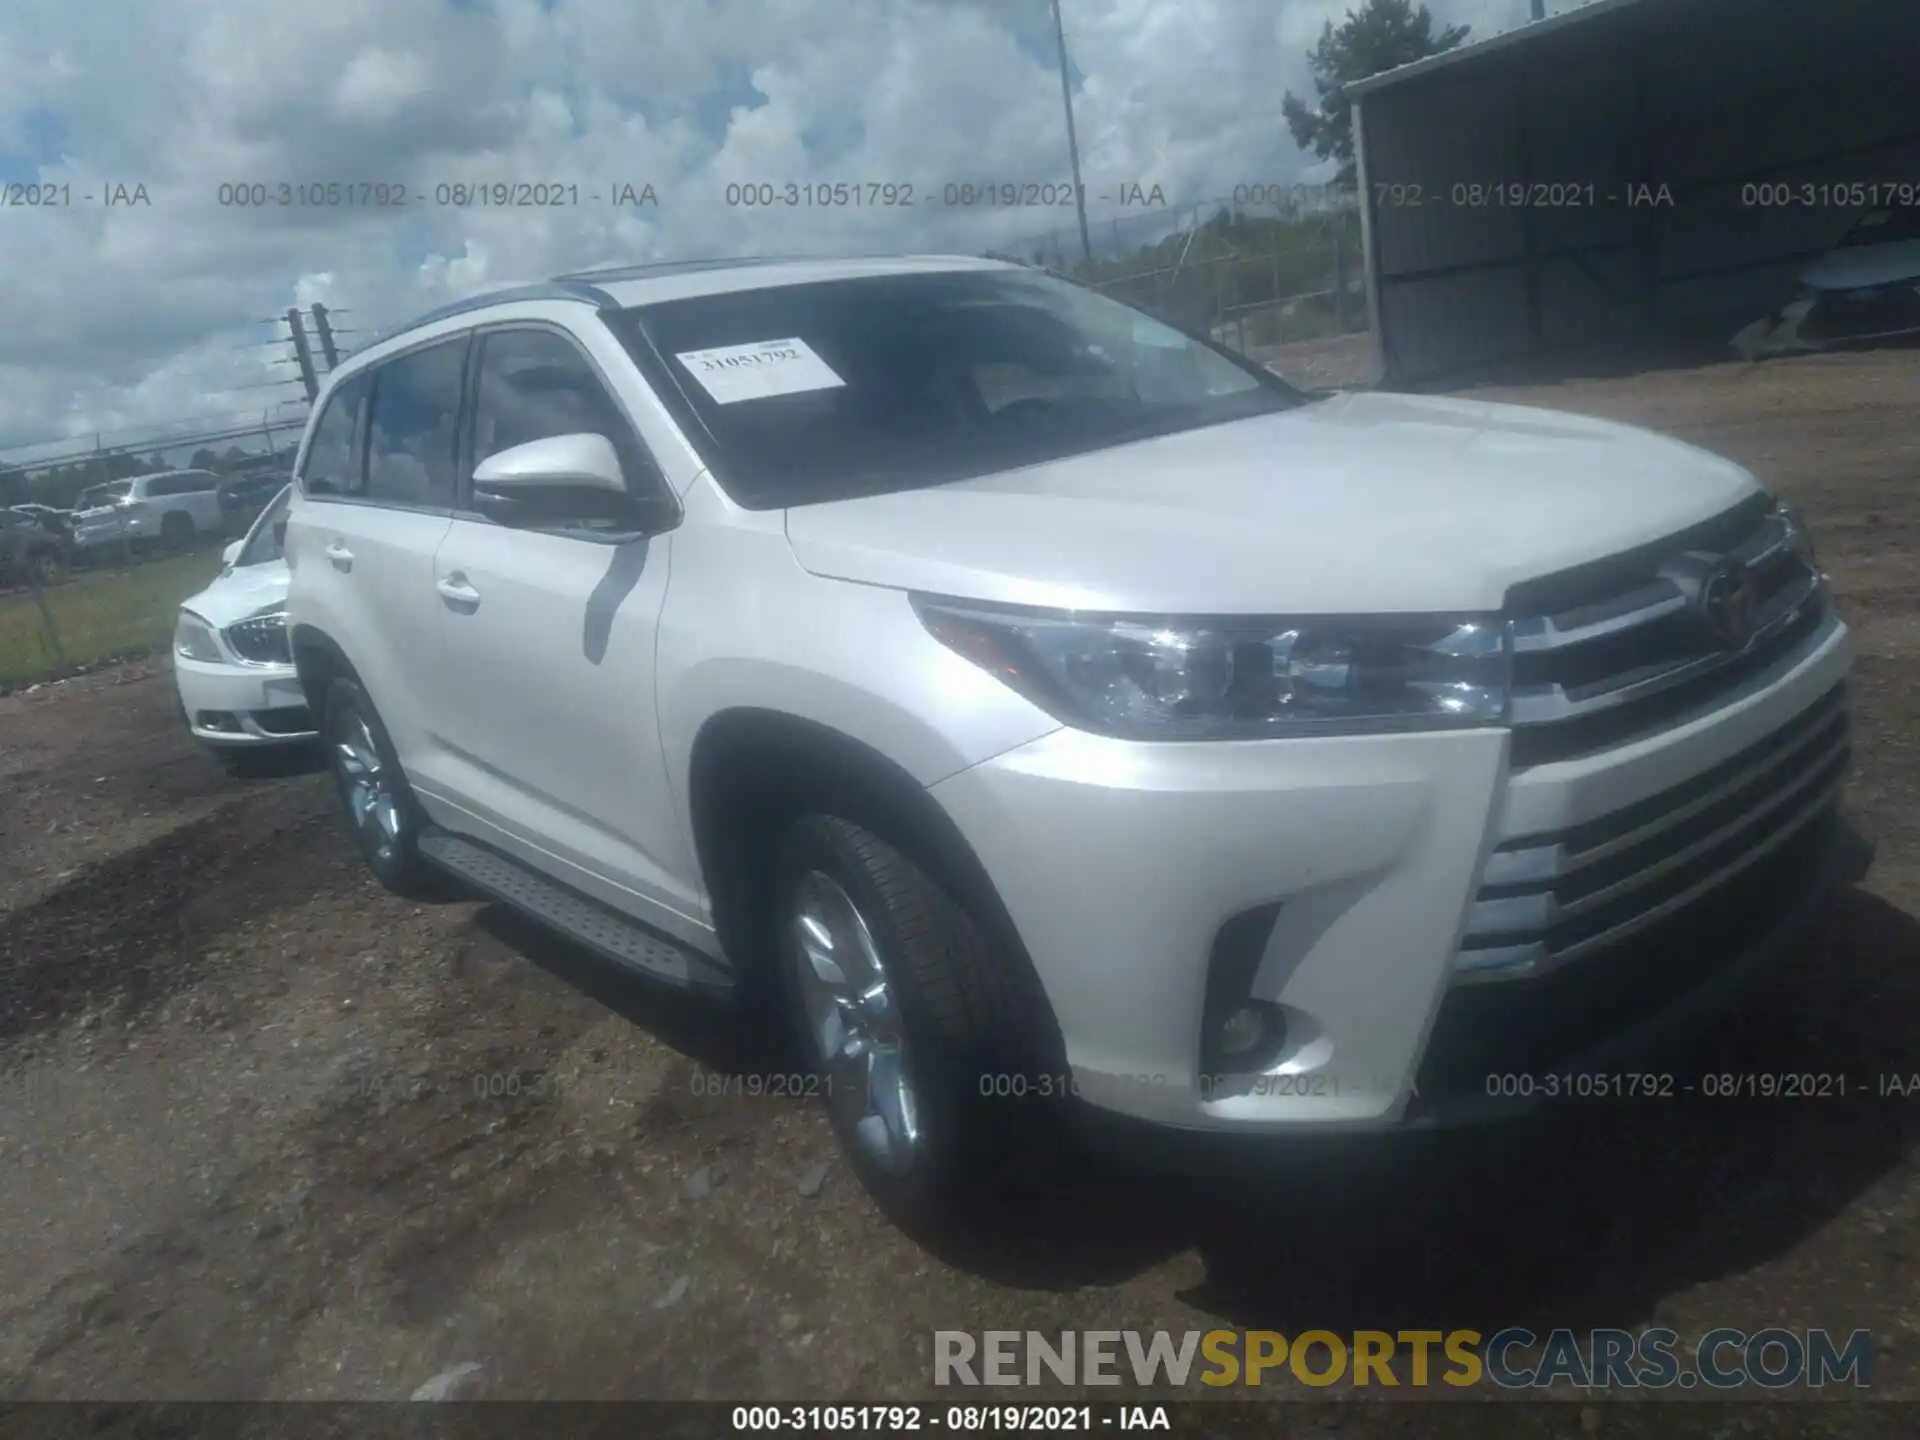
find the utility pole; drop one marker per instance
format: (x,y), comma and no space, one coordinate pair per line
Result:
(1073,142)
(303,354)
(324,329)
(1539,9)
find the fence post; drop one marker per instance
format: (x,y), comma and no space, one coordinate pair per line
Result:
(50,632)
(1339,274)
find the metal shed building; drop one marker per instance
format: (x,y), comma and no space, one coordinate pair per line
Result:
(1651,170)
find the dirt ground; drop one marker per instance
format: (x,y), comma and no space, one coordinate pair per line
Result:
(266,1131)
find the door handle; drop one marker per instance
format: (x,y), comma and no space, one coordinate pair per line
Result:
(455,588)
(340,556)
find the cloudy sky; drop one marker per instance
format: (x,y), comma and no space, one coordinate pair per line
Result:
(115,318)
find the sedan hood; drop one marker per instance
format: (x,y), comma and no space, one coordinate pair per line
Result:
(240,593)
(1360,504)
(1859,267)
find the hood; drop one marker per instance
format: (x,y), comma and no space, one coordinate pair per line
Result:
(1860,266)
(1361,504)
(240,593)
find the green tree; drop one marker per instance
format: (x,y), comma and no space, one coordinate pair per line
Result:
(1378,35)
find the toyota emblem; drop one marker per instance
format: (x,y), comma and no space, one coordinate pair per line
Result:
(1729,602)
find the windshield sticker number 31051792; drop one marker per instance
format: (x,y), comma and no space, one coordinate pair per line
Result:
(734,373)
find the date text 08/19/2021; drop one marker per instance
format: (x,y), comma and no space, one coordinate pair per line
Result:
(953,1419)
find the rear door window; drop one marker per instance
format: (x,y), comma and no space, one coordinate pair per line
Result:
(413,426)
(333,463)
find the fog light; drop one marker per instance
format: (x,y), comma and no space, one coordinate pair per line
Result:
(1242,1031)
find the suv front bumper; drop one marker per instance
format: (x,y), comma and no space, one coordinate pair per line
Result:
(1121,863)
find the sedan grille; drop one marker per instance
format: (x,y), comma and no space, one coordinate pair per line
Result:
(261,640)
(1546,900)
(1634,644)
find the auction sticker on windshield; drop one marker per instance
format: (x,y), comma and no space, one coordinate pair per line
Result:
(753,372)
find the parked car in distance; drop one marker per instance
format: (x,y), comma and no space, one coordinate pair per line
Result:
(1040,705)
(244,497)
(1866,288)
(49,515)
(239,695)
(32,551)
(172,507)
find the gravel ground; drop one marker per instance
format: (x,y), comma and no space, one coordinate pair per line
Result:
(266,1131)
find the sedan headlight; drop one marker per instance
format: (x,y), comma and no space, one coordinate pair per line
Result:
(1147,678)
(262,638)
(193,640)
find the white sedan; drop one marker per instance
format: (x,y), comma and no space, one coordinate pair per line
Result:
(231,663)
(1865,289)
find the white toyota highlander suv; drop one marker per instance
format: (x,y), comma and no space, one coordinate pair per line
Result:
(1036,701)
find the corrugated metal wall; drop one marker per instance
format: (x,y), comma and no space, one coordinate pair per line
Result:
(1704,97)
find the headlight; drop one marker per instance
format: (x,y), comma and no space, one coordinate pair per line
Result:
(193,640)
(1145,678)
(262,638)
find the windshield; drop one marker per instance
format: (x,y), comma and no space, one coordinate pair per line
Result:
(822,391)
(105,494)
(268,535)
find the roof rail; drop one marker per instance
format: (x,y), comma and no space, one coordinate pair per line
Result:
(650,268)
(611,274)
(565,288)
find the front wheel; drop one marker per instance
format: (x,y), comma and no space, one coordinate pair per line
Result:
(890,984)
(382,813)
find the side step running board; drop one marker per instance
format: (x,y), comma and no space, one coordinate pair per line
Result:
(607,933)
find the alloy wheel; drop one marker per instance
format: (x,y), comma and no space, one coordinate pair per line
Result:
(853,1020)
(367,787)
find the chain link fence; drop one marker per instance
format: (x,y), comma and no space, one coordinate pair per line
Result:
(1264,270)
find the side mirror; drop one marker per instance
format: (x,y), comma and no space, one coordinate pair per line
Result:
(557,463)
(565,480)
(232,552)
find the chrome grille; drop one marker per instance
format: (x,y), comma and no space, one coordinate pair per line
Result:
(1623,649)
(1547,900)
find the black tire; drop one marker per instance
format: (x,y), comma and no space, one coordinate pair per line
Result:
(349,720)
(176,530)
(953,1009)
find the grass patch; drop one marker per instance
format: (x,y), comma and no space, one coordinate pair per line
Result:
(99,614)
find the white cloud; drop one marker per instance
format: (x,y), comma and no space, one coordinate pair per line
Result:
(122,317)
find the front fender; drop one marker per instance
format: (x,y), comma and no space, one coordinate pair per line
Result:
(852,658)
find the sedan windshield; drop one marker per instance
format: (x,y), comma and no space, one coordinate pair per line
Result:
(815,392)
(264,543)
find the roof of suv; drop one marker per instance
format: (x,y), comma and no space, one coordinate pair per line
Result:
(621,286)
